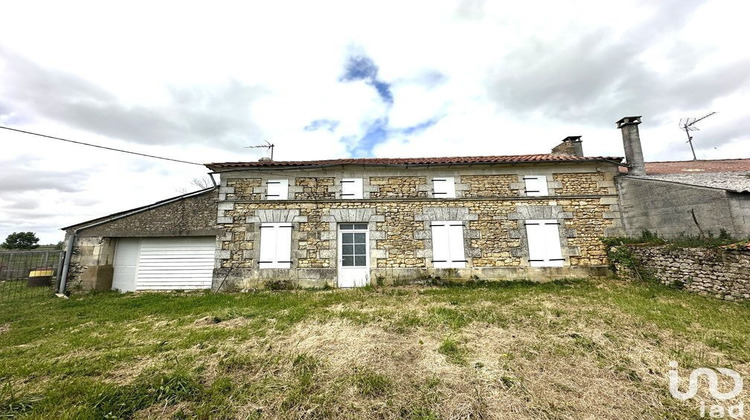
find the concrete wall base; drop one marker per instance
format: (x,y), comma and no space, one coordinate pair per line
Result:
(97,277)
(243,279)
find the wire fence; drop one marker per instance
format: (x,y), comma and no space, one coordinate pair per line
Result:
(29,273)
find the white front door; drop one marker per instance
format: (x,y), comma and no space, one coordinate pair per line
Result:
(354,258)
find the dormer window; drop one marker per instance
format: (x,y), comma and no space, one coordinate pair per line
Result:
(351,188)
(536,185)
(277,189)
(444,187)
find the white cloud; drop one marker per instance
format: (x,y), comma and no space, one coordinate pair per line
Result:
(200,81)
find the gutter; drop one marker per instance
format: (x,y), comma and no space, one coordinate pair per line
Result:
(73,237)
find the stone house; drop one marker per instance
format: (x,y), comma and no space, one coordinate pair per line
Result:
(351,222)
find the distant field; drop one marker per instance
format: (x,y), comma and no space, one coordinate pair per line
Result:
(595,349)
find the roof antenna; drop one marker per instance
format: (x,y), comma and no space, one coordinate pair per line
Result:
(688,124)
(268,146)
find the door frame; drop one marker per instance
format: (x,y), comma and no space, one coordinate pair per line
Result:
(339,257)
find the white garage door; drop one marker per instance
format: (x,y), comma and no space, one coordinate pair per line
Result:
(163,263)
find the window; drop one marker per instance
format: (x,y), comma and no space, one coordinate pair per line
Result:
(277,189)
(536,185)
(351,188)
(544,243)
(448,245)
(353,244)
(444,187)
(275,245)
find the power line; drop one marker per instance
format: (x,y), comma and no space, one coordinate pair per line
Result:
(100,147)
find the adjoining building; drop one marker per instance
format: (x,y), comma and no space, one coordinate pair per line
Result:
(168,245)
(694,197)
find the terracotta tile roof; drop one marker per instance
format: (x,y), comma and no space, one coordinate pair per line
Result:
(417,161)
(692,166)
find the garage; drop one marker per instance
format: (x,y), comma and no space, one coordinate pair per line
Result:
(163,263)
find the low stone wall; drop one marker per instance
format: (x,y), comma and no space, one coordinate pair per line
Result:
(720,272)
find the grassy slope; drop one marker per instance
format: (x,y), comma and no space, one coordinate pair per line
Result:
(588,349)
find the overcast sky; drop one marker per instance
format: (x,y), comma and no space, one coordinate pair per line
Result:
(201,81)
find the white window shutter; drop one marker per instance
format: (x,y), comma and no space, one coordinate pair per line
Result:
(554,249)
(536,185)
(448,245)
(267,246)
(543,237)
(456,244)
(351,188)
(444,187)
(277,189)
(275,245)
(440,245)
(284,245)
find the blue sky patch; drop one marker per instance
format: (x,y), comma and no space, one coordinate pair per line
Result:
(322,124)
(363,68)
(378,132)
(418,128)
(384,90)
(360,68)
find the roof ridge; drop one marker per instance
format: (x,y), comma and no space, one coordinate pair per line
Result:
(697,160)
(527,158)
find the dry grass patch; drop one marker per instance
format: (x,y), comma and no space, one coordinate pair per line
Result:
(592,349)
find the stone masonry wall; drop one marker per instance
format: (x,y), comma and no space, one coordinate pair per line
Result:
(720,272)
(398,187)
(315,188)
(88,254)
(190,216)
(489,185)
(398,208)
(244,189)
(584,183)
(404,231)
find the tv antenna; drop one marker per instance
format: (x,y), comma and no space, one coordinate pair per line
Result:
(268,146)
(688,124)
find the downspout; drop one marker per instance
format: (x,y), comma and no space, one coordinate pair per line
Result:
(66,264)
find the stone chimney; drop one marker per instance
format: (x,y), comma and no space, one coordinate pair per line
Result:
(570,145)
(631,140)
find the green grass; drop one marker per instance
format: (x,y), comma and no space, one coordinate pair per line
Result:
(430,352)
(452,351)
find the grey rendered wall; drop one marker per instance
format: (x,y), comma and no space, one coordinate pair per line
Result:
(667,208)
(739,205)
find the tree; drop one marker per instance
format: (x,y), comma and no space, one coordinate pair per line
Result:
(21,240)
(202,183)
